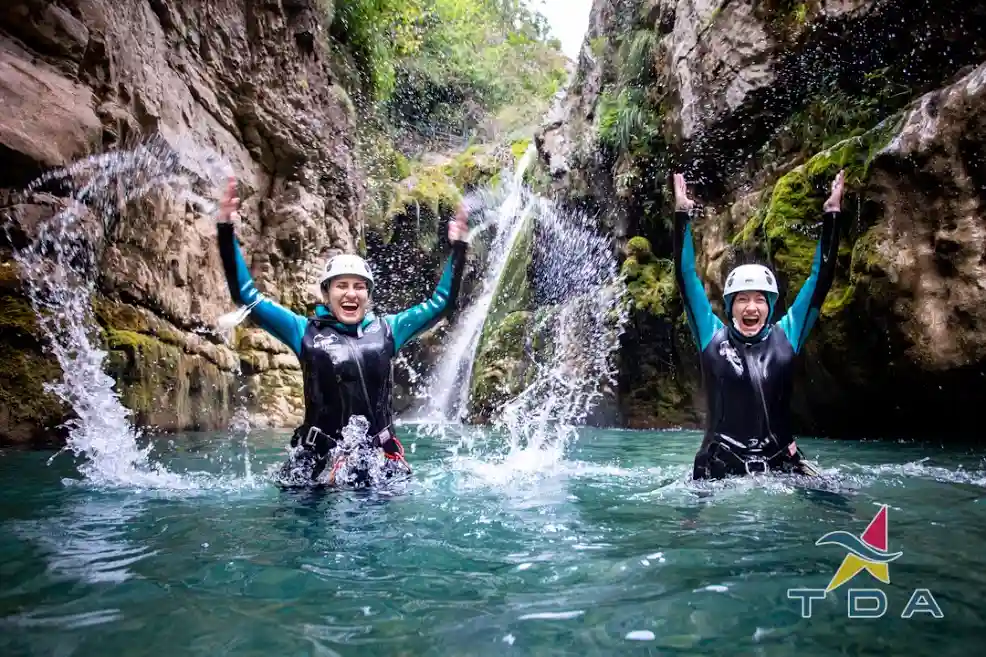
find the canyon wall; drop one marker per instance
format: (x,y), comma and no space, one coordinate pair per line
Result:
(759,104)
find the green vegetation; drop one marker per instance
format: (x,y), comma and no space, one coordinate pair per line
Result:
(24,368)
(834,114)
(438,62)
(796,205)
(501,371)
(649,280)
(439,76)
(626,122)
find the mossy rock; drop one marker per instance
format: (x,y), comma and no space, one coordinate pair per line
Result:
(120,316)
(17,316)
(651,285)
(639,248)
(165,387)
(513,292)
(28,413)
(796,202)
(429,187)
(519,149)
(9,276)
(501,370)
(474,167)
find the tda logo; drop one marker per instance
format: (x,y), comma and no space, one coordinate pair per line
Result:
(867,552)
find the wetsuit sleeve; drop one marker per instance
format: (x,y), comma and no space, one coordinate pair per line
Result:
(277,320)
(801,316)
(409,324)
(701,319)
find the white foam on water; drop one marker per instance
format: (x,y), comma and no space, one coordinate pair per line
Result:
(553,615)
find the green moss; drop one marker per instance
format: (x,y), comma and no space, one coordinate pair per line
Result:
(121,316)
(750,228)
(9,276)
(651,286)
(17,316)
(797,199)
(146,370)
(428,188)
(24,371)
(597,46)
(473,167)
(513,291)
(519,148)
(639,248)
(501,370)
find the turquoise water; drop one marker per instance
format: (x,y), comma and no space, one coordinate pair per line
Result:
(472,558)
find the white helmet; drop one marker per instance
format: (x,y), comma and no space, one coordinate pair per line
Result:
(750,278)
(346,264)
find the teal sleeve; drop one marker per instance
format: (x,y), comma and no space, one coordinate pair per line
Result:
(286,326)
(801,316)
(701,319)
(409,324)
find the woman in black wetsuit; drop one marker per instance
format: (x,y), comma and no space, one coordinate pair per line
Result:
(346,352)
(747,365)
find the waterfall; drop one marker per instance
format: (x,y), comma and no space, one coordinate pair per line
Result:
(448,392)
(552,296)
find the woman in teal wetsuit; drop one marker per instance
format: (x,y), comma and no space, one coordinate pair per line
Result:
(345,350)
(748,364)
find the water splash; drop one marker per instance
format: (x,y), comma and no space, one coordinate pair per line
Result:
(571,346)
(505,208)
(580,315)
(355,462)
(59,269)
(360,464)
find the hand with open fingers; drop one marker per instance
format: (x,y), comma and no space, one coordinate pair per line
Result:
(681,201)
(230,205)
(458,228)
(834,201)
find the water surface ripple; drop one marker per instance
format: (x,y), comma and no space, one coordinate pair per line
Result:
(610,551)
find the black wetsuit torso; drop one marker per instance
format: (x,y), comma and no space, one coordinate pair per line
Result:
(748,381)
(347,375)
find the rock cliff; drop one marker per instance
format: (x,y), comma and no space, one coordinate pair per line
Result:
(760,103)
(255,81)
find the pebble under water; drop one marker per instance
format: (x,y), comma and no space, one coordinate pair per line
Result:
(610,551)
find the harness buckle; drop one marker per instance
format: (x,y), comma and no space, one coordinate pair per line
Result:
(318,441)
(755,465)
(312,436)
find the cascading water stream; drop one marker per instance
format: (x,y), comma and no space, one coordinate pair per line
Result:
(449,388)
(577,317)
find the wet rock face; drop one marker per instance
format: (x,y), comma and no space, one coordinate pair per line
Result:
(760,104)
(246,79)
(920,292)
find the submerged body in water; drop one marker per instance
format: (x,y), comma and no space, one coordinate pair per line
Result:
(747,364)
(346,354)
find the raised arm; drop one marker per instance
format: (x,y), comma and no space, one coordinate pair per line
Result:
(701,319)
(409,324)
(800,317)
(277,320)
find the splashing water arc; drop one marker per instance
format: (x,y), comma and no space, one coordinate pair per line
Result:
(59,269)
(448,393)
(581,315)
